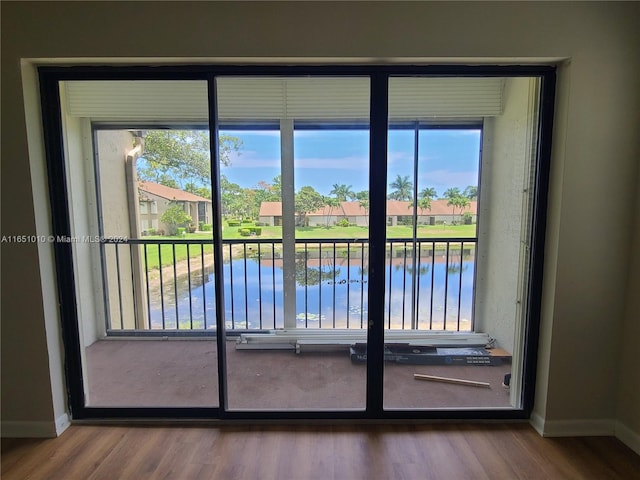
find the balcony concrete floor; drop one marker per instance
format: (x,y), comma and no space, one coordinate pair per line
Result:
(160,373)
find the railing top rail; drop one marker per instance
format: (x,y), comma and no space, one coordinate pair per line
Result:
(240,241)
(434,240)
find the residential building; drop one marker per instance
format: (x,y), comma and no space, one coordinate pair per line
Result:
(398,213)
(154,199)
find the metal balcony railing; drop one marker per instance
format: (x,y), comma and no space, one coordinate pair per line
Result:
(166,285)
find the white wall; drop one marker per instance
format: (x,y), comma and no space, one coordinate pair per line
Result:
(112,149)
(596,151)
(506,158)
(83,211)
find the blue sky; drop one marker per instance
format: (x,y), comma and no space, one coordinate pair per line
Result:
(446,158)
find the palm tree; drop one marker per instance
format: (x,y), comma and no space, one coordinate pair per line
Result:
(331,203)
(471,192)
(402,188)
(424,198)
(342,192)
(363,201)
(429,193)
(456,199)
(452,195)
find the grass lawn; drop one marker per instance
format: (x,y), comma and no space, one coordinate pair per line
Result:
(166,251)
(231,233)
(400,231)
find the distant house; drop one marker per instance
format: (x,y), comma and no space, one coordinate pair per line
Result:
(154,199)
(398,213)
(270,213)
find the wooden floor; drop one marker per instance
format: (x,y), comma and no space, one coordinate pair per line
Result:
(297,452)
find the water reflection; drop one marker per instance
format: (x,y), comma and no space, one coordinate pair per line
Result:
(331,292)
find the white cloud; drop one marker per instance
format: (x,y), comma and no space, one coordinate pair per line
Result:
(339,163)
(399,157)
(447,178)
(252,159)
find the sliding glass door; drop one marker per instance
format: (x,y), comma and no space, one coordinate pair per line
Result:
(458,240)
(294,250)
(299,242)
(139,193)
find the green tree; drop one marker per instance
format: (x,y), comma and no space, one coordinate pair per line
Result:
(311,276)
(231,195)
(425,197)
(456,199)
(268,192)
(276,187)
(307,200)
(402,188)
(200,191)
(249,208)
(471,192)
(342,192)
(175,216)
(363,201)
(182,155)
(263,192)
(332,203)
(451,194)
(166,180)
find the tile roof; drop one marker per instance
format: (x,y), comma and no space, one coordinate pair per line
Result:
(170,193)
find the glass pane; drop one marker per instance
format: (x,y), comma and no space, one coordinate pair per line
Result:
(456,265)
(141,212)
(295,245)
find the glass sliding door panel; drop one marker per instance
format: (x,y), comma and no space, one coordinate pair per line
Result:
(461,153)
(295,246)
(141,212)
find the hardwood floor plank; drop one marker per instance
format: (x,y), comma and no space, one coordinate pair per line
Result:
(326,452)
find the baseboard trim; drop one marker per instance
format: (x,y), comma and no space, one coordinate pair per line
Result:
(27,429)
(573,428)
(537,422)
(627,436)
(586,428)
(62,423)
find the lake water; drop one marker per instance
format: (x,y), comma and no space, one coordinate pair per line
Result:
(327,296)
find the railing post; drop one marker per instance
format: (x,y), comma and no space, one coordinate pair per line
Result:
(288,223)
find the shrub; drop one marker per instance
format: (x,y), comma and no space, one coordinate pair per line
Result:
(200,225)
(467,218)
(175,217)
(233,223)
(206,227)
(151,231)
(244,222)
(180,231)
(255,231)
(245,232)
(191,229)
(342,223)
